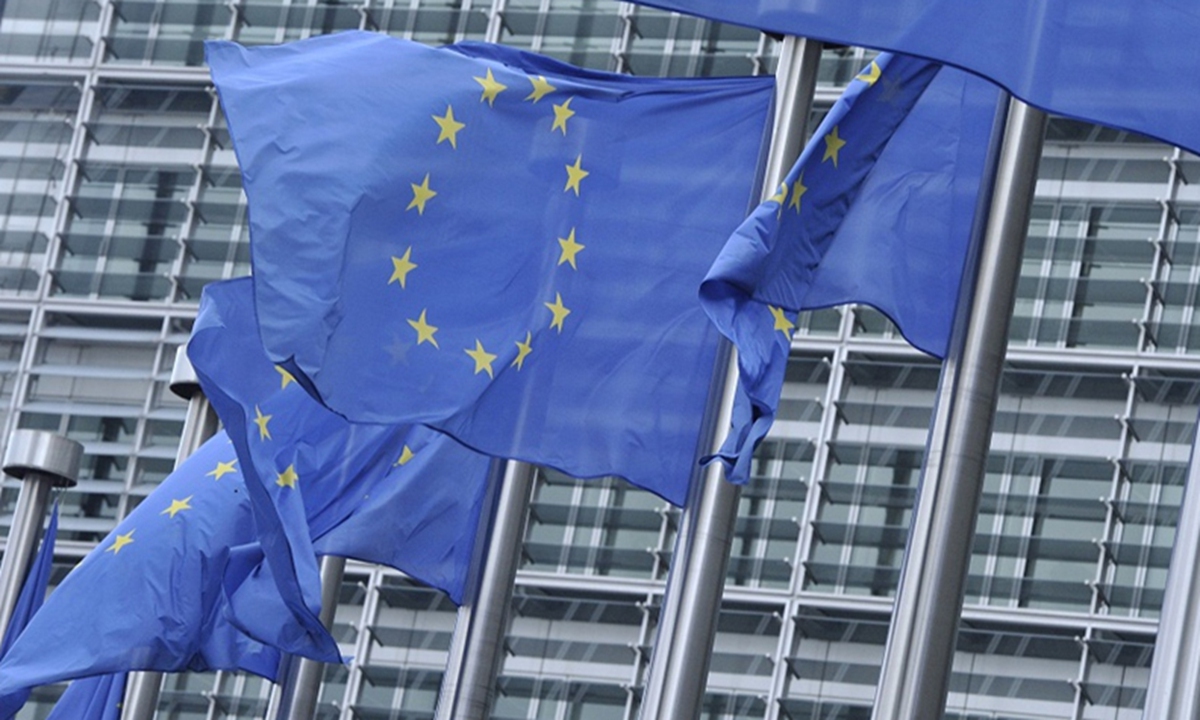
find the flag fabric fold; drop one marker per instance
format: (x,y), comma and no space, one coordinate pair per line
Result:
(514,241)
(31,597)
(93,698)
(153,594)
(1123,63)
(877,210)
(403,496)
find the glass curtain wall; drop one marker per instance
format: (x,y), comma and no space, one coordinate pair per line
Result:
(120,198)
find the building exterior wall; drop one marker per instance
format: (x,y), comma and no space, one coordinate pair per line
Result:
(120,198)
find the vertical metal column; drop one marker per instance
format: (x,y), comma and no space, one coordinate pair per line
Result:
(476,650)
(43,461)
(921,642)
(200,424)
(300,684)
(688,622)
(1174,688)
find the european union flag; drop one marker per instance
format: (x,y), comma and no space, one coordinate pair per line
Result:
(33,593)
(406,497)
(152,595)
(878,210)
(1125,63)
(93,698)
(494,243)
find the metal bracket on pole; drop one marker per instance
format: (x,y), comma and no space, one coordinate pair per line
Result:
(468,686)
(920,649)
(43,461)
(200,424)
(688,622)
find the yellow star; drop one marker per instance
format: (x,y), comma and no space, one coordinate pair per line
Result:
(119,542)
(449,127)
(261,421)
(780,197)
(562,113)
(869,74)
(401,267)
(798,191)
(424,330)
(491,88)
(570,249)
(421,195)
(287,478)
(523,350)
(285,377)
(483,359)
(560,312)
(223,469)
(782,324)
(178,506)
(833,143)
(541,88)
(405,455)
(575,173)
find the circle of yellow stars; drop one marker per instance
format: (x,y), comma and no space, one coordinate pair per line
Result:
(451,130)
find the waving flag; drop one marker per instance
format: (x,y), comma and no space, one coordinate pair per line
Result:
(493,243)
(1130,64)
(403,496)
(152,595)
(878,210)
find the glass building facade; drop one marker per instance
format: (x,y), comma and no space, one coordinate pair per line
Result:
(120,198)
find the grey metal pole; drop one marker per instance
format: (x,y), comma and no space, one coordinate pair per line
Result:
(301,686)
(468,686)
(1174,688)
(200,424)
(679,663)
(921,642)
(43,461)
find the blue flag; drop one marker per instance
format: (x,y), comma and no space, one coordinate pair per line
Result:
(33,593)
(152,595)
(93,698)
(1130,64)
(402,496)
(494,243)
(878,210)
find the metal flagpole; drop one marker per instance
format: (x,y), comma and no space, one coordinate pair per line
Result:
(1173,691)
(687,624)
(921,642)
(296,696)
(43,461)
(200,424)
(468,686)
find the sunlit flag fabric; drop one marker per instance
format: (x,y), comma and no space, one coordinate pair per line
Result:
(494,243)
(94,698)
(152,595)
(1131,64)
(406,497)
(877,210)
(33,593)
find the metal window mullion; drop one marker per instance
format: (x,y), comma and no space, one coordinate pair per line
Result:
(1106,570)
(21,375)
(992,561)
(1160,271)
(193,198)
(1045,274)
(362,644)
(1028,524)
(627,14)
(70,180)
(805,541)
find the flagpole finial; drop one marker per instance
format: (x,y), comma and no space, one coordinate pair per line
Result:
(38,451)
